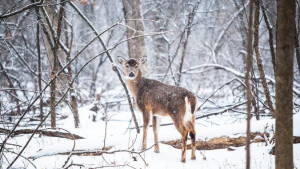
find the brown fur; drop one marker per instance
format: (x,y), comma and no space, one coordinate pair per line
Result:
(159,99)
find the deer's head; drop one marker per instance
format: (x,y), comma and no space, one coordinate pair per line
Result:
(132,66)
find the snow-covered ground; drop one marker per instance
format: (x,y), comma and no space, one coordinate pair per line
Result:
(42,151)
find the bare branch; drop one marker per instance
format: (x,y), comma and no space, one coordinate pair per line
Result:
(32,5)
(259,59)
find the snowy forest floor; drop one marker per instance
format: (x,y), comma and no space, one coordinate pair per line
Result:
(111,142)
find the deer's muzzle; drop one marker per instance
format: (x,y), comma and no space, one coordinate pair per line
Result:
(131,74)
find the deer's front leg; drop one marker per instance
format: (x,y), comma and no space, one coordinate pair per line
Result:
(155,122)
(146,117)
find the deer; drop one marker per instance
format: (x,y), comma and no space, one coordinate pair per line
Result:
(156,99)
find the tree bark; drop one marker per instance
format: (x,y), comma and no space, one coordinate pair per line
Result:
(133,18)
(270,30)
(73,96)
(259,60)
(55,67)
(50,22)
(285,42)
(39,67)
(247,78)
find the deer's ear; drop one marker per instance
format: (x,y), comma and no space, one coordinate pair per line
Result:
(120,59)
(143,59)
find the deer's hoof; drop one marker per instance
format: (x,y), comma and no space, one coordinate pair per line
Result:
(193,158)
(183,160)
(156,151)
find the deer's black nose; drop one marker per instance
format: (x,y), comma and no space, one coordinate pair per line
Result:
(131,74)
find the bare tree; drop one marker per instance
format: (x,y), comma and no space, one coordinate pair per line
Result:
(247,78)
(135,27)
(259,59)
(186,33)
(55,66)
(73,95)
(270,30)
(284,83)
(38,46)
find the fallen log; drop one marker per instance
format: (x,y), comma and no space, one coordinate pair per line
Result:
(226,142)
(220,142)
(42,132)
(96,152)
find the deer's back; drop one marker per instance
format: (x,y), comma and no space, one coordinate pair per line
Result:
(162,99)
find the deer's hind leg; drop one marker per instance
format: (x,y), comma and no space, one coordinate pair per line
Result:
(191,130)
(184,135)
(193,138)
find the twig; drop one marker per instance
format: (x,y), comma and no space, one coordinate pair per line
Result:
(54,34)
(78,165)
(64,94)
(22,157)
(218,90)
(185,43)
(32,5)
(222,111)
(48,84)
(74,143)
(238,74)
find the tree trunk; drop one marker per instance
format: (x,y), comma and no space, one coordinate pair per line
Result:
(248,85)
(50,22)
(270,30)
(55,68)
(297,45)
(187,31)
(297,48)
(135,27)
(259,60)
(73,95)
(39,68)
(53,93)
(284,83)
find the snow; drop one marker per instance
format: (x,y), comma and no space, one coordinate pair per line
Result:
(42,151)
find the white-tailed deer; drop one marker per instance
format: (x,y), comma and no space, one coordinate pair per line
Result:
(159,99)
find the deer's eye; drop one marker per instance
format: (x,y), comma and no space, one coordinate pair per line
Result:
(127,66)
(136,66)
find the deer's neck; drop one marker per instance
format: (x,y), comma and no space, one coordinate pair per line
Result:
(133,84)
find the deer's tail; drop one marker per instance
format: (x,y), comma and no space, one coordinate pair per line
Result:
(190,113)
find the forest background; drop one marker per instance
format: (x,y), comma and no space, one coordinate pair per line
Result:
(59,56)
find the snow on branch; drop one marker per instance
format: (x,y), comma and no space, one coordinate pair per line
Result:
(236,73)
